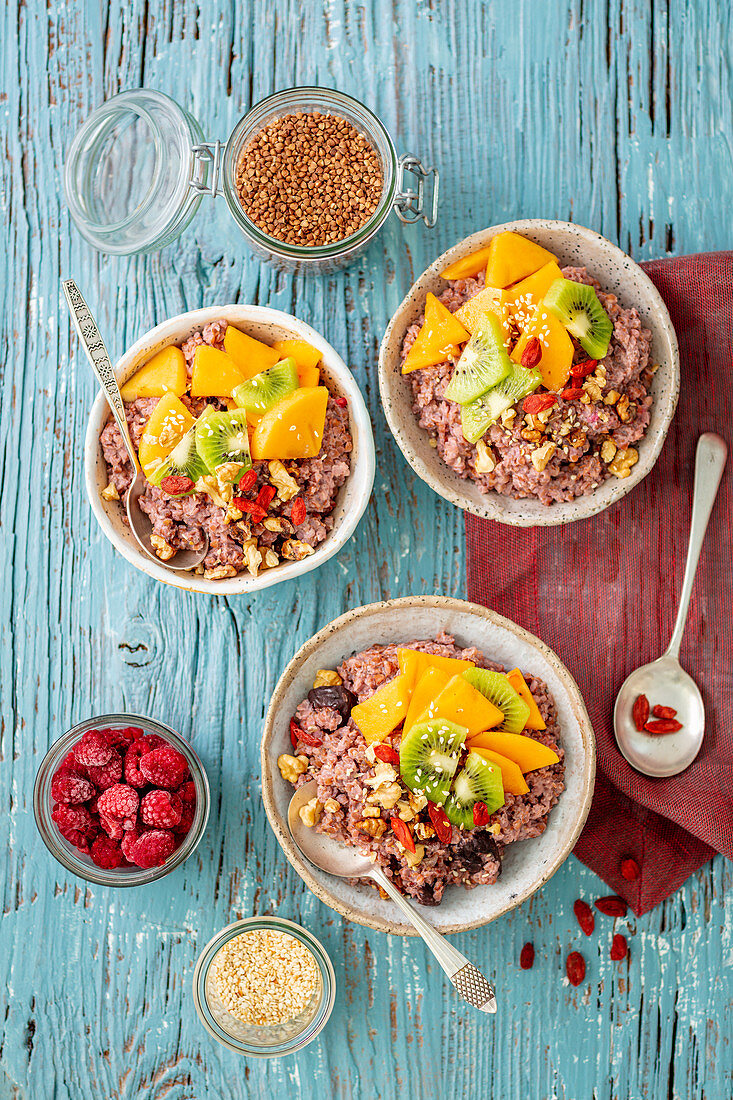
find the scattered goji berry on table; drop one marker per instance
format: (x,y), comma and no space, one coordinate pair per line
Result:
(441,824)
(575,968)
(640,711)
(538,402)
(613,906)
(480,813)
(619,947)
(526,956)
(664,712)
(663,725)
(584,915)
(629,869)
(401,830)
(387,754)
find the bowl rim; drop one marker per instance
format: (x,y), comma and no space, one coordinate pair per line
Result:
(446,603)
(361,475)
(492,506)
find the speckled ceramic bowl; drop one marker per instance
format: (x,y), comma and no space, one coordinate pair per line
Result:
(268,325)
(616,272)
(527,864)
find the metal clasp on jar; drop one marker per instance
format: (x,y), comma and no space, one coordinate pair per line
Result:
(410,205)
(207,155)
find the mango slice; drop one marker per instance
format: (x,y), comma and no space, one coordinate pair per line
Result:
(168,423)
(524,751)
(293,428)
(438,338)
(513,257)
(306,359)
(557,348)
(383,711)
(250,355)
(424,691)
(511,774)
(468,266)
(488,300)
(535,720)
(214,374)
(164,373)
(461,703)
(523,298)
(413,663)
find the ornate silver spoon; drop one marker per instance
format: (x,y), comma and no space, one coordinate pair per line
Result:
(337,859)
(664,680)
(96,352)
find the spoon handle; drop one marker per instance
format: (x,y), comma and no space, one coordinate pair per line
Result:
(467,979)
(709,465)
(96,352)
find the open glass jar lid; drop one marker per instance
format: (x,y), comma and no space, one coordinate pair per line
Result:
(139,166)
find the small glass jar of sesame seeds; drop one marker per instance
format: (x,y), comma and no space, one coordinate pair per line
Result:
(309,175)
(264,987)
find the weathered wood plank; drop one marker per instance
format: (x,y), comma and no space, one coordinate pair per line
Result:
(615,113)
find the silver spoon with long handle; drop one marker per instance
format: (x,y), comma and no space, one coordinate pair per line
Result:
(96,352)
(664,681)
(337,859)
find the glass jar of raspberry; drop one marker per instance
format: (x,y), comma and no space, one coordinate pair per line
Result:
(121,800)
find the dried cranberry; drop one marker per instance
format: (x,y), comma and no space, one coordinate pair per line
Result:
(336,696)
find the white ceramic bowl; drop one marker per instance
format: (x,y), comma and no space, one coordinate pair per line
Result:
(527,864)
(268,325)
(616,272)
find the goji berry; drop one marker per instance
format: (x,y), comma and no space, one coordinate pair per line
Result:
(247,481)
(532,353)
(572,393)
(176,485)
(619,947)
(401,830)
(297,512)
(309,739)
(582,370)
(387,754)
(640,711)
(251,507)
(295,732)
(629,869)
(613,906)
(441,824)
(480,813)
(584,915)
(526,956)
(664,712)
(538,402)
(341,402)
(575,967)
(266,496)
(663,725)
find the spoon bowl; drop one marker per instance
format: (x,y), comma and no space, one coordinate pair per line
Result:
(327,853)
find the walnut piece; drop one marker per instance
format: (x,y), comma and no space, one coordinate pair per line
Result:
(292,766)
(424,831)
(286,486)
(542,455)
(623,461)
(508,417)
(163,549)
(386,796)
(227,472)
(622,409)
(277,524)
(296,550)
(331,806)
(371,811)
(218,572)
(485,461)
(327,677)
(375,827)
(404,810)
(310,813)
(608,450)
(592,388)
(110,493)
(414,858)
(611,397)
(270,559)
(532,435)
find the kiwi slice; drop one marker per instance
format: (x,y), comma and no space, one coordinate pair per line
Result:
(222,437)
(497,689)
(578,307)
(183,461)
(479,415)
(477,781)
(260,393)
(484,362)
(429,756)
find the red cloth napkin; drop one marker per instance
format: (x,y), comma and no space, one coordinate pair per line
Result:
(603,593)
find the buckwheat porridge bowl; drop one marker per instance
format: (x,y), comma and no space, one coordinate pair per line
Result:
(531,374)
(448,744)
(276,469)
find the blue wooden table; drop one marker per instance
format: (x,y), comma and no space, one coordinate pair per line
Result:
(612,113)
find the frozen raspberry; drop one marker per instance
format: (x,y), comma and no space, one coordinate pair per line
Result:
(74,822)
(112,826)
(184,825)
(107,774)
(152,849)
(161,808)
(164,767)
(106,853)
(119,801)
(71,788)
(122,738)
(70,766)
(138,749)
(187,793)
(92,749)
(127,842)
